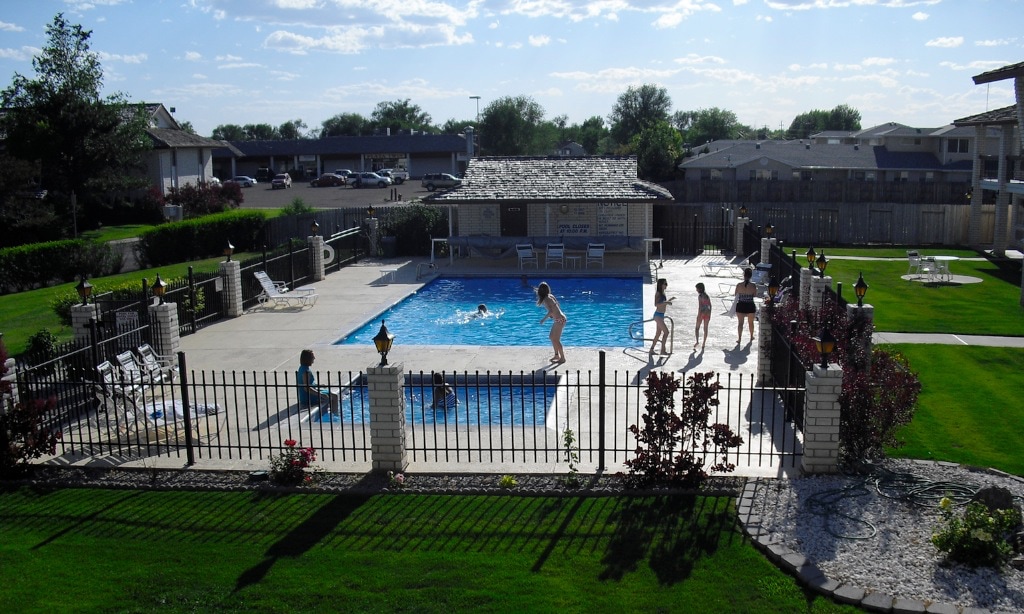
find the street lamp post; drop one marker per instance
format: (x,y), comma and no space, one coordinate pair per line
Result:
(477,99)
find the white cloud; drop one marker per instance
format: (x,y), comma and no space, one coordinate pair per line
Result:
(947,42)
(842,67)
(199,75)
(138,58)
(692,59)
(919,16)
(995,42)
(815,66)
(239,65)
(767,18)
(541,40)
(10,27)
(193,56)
(228,58)
(979,65)
(295,4)
(23,54)
(876,61)
(807,5)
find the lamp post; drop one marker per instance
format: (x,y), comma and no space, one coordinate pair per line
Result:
(314,228)
(743,211)
(860,289)
(383,341)
(826,344)
(768,230)
(773,291)
(477,99)
(370,211)
(822,262)
(228,250)
(159,288)
(84,289)
(811,255)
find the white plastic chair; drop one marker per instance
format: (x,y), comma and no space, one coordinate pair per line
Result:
(595,254)
(913,262)
(526,254)
(554,254)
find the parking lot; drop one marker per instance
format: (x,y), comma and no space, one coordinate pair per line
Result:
(261,196)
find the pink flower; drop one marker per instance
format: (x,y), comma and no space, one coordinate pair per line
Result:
(400,478)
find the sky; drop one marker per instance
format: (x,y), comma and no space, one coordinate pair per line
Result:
(272,61)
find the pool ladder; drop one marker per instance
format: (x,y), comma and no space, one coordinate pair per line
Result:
(430,266)
(636,327)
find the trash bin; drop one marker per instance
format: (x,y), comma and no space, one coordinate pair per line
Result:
(387,247)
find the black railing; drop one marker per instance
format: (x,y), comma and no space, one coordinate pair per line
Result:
(518,418)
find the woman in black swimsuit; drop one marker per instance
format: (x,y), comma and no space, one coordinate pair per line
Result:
(745,307)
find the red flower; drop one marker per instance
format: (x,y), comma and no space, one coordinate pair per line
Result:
(290,442)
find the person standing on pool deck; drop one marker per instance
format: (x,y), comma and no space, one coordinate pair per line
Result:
(548,301)
(661,303)
(703,316)
(745,307)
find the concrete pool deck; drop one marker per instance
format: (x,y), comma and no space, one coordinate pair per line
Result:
(271,339)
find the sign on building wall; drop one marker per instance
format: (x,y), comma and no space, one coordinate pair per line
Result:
(611,219)
(574,228)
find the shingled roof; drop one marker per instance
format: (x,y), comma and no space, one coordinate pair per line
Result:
(1005,115)
(811,156)
(169,138)
(553,179)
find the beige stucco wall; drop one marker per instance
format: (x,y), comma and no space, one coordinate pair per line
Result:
(548,219)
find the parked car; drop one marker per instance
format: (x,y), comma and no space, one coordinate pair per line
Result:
(432,181)
(243,181)
(328,180)
(281,180)
(369,179)
(344,172)
(398,175)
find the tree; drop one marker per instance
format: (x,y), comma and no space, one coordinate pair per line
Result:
(85,144)
(399,115)
(260,132)
(345,124)
(187,127)
(842,117)
(291,130)
(637,108)
(658,148)
(509,126)
(699,127)
(229,132)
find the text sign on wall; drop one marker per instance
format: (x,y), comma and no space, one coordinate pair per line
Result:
(611,219)
(575,228)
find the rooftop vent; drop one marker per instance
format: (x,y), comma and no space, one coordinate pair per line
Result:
(757,146)
(807,146)
(856,147)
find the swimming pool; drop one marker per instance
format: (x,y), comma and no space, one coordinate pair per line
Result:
(480,401)
(444,312)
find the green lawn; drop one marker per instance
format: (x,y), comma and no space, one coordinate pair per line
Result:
(969,410)
(141,551)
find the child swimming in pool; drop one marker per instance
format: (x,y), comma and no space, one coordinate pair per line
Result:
(444,395)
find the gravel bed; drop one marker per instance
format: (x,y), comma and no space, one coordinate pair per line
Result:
(878,537)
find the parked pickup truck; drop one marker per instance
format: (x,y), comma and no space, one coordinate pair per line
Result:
(398,175)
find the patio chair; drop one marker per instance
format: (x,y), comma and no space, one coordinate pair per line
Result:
(554,254)
(526,255)
(135,372)
(278,293)
(733,269)
(595,254)
(913,262)
(154,364)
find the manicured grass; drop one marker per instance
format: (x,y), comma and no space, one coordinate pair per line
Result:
(115,233)
(26,313)
(969,410)
(987,308)
(140,551)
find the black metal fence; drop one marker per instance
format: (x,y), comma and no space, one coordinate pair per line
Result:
(518,418)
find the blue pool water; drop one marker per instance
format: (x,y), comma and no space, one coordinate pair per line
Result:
(486,405)
(444,312)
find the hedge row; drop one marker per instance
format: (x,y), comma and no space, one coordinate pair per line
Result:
(200,238)
(37,265)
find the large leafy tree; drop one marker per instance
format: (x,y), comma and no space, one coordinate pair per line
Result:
(636,109)
(85,144)
(658,148)
(699,127)
(399,115)
(842,117)
(291,130)
(345,124)
(509,127)
(229,132)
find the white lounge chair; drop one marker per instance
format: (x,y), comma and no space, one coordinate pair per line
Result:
(595,254)
(554,254)
(278,293)
(733,269)
(157,366)
(526,254)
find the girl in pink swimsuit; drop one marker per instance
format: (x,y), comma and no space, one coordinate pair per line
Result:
(703,317)
(548,301)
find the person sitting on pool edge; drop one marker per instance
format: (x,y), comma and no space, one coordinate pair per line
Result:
(310,394)
(444,395)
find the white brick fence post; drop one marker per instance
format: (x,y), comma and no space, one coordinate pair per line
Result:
(81,316)
(821,419)
(231,278)
(316,247)
(163,323)
(387,417)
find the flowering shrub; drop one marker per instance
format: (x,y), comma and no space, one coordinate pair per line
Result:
(289,467)
(979,537)
(396,480)
(673,446)
(508,481)
(879,390)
